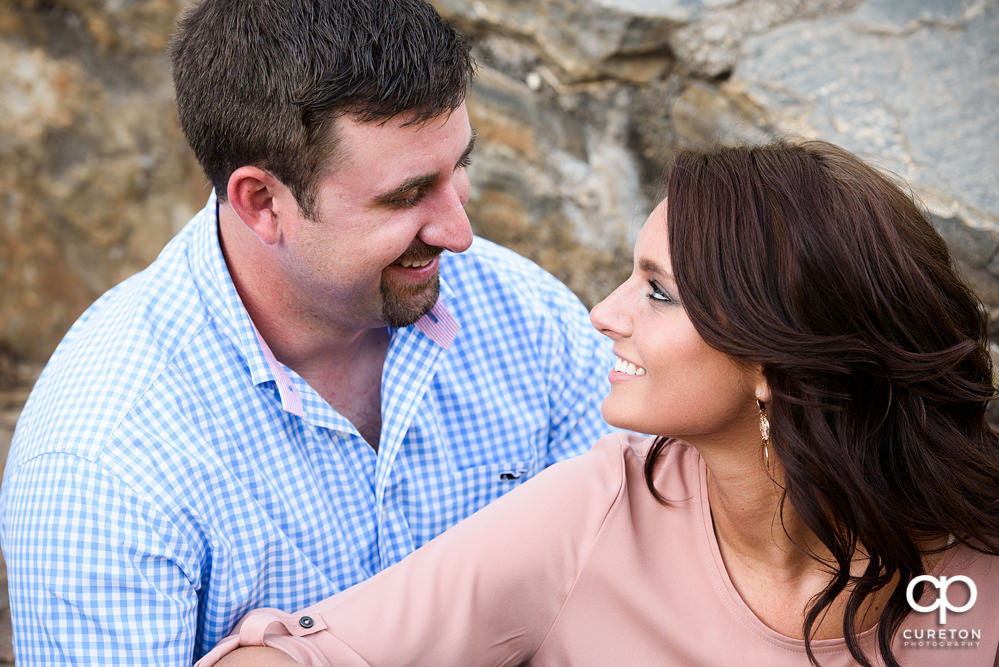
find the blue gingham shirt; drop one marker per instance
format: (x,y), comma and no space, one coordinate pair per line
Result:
(161,483)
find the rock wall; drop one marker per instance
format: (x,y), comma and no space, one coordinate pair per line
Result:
(95,174)
(582,104)
(578,105)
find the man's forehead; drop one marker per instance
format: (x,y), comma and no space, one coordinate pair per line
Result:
(412,122)
(399,137)
(381,155)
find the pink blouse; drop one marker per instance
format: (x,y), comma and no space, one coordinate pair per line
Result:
(581,566)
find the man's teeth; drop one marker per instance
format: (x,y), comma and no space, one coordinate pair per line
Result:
(411,264)
(627,367)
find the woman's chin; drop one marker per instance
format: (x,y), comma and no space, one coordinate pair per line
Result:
(622,419)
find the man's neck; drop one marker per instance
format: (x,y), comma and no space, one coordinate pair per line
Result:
(342,364)
(350,380)
(346,373)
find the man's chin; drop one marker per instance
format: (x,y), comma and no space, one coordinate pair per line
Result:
(403,306)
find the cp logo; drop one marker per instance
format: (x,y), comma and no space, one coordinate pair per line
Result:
(942,603)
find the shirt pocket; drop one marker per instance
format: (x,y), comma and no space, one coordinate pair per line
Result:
(476,487)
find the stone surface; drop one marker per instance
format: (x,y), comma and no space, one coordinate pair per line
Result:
(911,86)
(94,172)
(578,105)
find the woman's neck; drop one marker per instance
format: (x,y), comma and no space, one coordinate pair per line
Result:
(773,559)
(766,550)
(752,527)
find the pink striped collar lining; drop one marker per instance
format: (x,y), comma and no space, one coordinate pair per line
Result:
(438,325)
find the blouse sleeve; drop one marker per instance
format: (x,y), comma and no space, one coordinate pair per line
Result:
(485,592)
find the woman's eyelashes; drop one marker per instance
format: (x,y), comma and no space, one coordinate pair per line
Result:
(659,294)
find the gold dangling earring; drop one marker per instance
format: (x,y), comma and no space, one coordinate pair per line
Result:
(764,432)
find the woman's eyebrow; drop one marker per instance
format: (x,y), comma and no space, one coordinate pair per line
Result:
(651,266)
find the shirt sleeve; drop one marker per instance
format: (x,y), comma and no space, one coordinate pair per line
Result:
(94,575)
(488,591)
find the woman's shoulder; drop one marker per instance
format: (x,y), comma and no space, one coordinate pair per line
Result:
(612,474)
(623,455)
(575,491)
(604,464)
(618,461)
(975,568)
(677,470)
(620,445)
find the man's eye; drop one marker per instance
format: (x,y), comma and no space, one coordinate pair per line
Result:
(658,293)
(410,201)
(464,162)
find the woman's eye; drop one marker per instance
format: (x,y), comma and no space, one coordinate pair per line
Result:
(658,293)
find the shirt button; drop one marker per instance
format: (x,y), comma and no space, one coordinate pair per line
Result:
(306,622)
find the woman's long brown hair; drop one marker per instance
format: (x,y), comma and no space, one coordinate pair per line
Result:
(803,259)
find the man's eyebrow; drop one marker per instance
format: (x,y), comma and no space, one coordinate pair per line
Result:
(423,180)
(407,186)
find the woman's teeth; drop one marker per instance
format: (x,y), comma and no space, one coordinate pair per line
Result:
(627,367)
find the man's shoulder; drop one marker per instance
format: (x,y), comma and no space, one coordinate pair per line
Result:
(491,256)
(497,277)
(119,349)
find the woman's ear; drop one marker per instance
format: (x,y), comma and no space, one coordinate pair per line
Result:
(251,195)
(761,388)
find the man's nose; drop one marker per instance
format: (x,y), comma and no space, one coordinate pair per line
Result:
(449,227)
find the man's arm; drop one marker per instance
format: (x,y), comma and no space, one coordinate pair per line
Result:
(92,569)
(487,591)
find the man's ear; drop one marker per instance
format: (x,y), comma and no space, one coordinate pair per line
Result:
(251,194)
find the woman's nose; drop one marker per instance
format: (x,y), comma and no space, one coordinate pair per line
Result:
(610,317)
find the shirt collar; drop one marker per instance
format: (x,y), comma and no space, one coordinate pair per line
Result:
(222,299)
(439,325)
(211,275)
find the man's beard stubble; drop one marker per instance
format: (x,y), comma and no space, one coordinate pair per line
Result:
(402,306)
